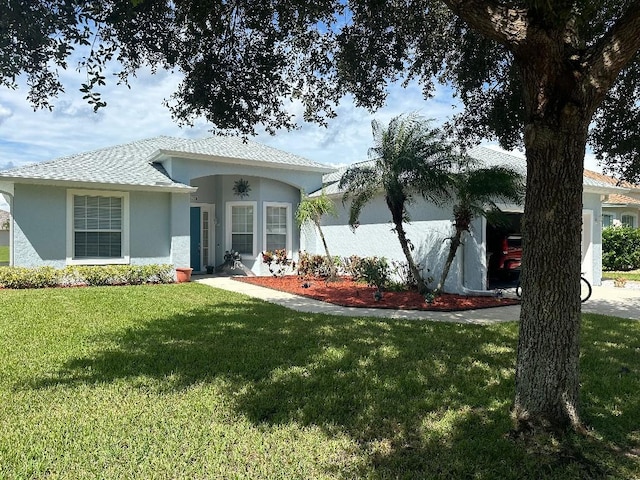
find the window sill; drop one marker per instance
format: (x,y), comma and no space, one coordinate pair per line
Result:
(98,261)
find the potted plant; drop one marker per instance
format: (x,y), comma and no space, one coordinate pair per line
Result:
(183,274)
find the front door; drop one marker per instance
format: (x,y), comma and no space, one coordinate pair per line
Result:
(202,236)
(196,236)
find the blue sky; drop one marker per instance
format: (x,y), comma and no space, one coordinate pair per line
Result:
(28,136)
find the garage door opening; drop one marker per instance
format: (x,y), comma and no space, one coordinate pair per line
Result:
(504,251)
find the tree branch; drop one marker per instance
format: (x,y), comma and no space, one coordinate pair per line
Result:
(614,50)
(506,25)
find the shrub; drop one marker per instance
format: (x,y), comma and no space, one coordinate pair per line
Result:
(351,266)
(310,265)
(22,277)
(277,262)
(42,277)
(372,270)
(620,248)
(398,275)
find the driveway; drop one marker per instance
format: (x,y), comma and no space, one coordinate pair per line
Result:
(617,302)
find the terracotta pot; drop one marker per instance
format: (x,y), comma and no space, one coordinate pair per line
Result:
(183,274)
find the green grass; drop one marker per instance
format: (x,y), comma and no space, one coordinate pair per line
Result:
(633,275)
(4,254)
(186,381)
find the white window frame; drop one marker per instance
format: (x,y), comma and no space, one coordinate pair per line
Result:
(289,242)
(611,216)
(632,215)
(125,255)
(228,224)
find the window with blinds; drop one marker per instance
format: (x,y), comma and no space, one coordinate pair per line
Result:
(628,220)
(242,229)
(276,228)
(97,226)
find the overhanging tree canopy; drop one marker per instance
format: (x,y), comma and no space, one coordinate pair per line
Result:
(244,61)
(528,71)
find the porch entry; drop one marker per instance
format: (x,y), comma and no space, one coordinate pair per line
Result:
(202,221)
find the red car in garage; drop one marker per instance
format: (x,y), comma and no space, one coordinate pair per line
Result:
(509,257)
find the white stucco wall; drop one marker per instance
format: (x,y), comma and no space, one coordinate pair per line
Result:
(429,229)
(592,254)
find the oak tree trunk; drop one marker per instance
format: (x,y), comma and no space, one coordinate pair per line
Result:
(547,381)
(564,78)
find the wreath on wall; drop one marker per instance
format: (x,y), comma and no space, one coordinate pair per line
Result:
(241,188)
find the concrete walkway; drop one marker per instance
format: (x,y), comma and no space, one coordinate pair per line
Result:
(619,302)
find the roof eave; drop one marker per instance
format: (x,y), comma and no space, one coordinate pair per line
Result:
(173,188)
(603,190)
(163,154)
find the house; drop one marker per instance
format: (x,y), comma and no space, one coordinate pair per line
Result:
(430,226)
(619,208)
(160,200)
(187,202)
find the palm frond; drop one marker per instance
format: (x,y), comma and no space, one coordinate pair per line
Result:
(312,209)
(478,189)
(361,183)
(359,178)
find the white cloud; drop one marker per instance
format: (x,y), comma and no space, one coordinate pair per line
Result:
(347,137)
(4,113)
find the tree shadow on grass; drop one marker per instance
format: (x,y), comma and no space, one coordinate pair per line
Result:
(611,390)
(421,399)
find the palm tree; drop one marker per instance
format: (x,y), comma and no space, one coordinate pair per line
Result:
(312,210)
(476,190)
(408,158)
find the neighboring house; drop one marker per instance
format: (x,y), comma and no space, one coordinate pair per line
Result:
(430,226)
(160,200)
(619,208)
(4,228)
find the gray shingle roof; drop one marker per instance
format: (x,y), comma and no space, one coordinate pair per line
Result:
(490,157)
(244,149)
(121,165)
(130,164)
(486,157)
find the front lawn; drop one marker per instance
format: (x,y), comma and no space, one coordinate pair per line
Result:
(186,381)
(4,254)
(632,275)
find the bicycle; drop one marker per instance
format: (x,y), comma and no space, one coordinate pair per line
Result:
(585,289)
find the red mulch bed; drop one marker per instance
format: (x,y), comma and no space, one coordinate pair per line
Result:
(348,293)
